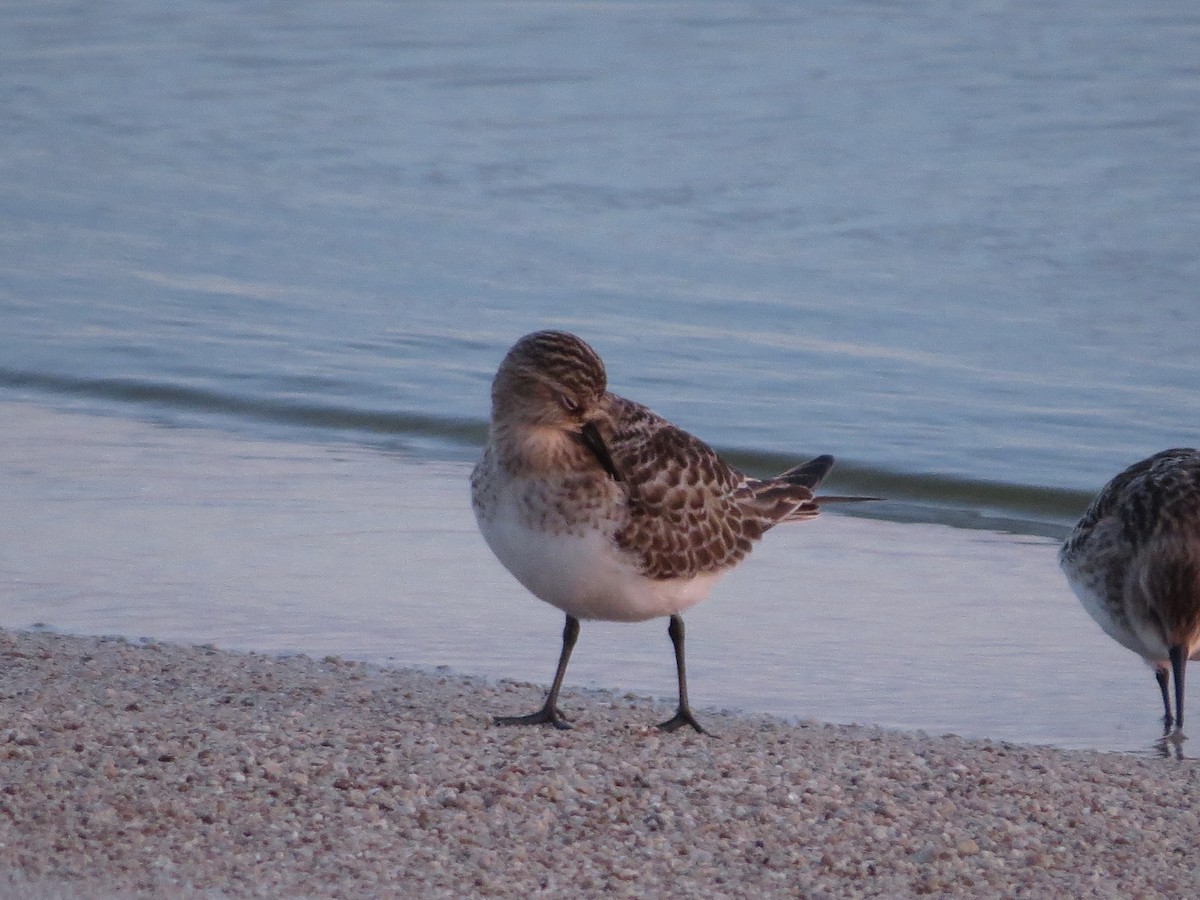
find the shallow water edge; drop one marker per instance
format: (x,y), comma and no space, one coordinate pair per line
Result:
(199,536)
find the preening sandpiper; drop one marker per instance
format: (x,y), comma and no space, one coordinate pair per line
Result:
(605,510)
(1134,562)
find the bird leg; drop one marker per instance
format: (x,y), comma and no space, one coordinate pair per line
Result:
(683,716)
(549,712)
(1163,676)
(1178,664)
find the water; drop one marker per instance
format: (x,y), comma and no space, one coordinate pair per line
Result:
(953,245)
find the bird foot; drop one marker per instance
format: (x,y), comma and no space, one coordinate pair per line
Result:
(548,714)
(683,716)
(1170,745)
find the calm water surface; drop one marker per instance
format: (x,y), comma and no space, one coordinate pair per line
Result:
(952,243)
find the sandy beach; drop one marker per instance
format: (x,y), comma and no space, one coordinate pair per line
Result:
(148,769)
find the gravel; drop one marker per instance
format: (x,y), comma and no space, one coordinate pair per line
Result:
(149,769)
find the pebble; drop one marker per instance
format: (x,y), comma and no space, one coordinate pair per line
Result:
(151,770)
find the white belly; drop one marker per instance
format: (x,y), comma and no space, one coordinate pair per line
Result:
(584,574)
(1103,612)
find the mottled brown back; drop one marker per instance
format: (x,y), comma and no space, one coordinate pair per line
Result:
(1157,494)
(689,513)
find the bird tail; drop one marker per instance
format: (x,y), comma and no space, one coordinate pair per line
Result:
(806,475)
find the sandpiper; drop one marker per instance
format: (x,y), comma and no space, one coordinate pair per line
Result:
(605,510)
(1134,562)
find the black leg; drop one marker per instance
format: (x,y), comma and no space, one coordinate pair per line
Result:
(549,712)
(1178,664)
(683,716)
(1163,676)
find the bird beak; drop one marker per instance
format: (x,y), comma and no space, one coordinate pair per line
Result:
(590,435)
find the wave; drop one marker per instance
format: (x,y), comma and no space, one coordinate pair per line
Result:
(909,496)
(186,399)
(963,502)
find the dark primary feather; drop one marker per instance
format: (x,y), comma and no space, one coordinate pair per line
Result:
(809,474)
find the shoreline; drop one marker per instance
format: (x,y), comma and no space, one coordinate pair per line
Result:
(152,769)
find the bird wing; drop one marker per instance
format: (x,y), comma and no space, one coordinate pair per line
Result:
(685,511)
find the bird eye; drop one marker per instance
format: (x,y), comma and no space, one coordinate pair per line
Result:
(570,404)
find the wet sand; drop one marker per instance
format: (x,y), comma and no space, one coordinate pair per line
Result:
(149,769)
